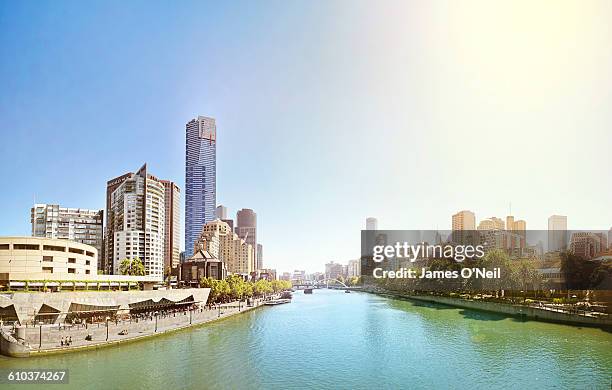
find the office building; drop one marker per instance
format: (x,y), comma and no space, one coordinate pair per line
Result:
(136,222)
(200,176)
(371,223)
(259,256)
(557,233)
(246,228)
(218,240)
(221,212)
(74,224)
(492,223)
(464,220)
(172,234)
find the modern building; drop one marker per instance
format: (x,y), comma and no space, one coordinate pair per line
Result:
(371,223)
(79,225)
(200,176)
(557,233)
(333,270)
(246,228)
(136,213)
(354,268)
(221,212)
(464,220)
(172,233)
(47,264)
(260,256)
(218,239)
(230,222)
(492,223)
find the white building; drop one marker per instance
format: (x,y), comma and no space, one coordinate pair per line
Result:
(371,223)
(557,233)
(74,224)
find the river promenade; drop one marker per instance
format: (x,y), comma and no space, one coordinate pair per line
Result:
(51,339)
(524,311)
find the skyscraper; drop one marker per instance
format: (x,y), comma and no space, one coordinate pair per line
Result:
(464,220)
(135,211)
(371,223)
(200,176)
(246,228)
(221,212)
(260,256)
(80,225)
(172,235)
(557,233)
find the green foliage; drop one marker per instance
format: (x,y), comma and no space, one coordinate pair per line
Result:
(132,267)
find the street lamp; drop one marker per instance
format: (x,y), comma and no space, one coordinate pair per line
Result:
(40,335)
(107,318)
(155,321)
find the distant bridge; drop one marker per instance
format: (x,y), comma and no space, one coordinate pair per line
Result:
(318,283)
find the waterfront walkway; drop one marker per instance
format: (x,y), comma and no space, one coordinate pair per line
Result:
(49,338)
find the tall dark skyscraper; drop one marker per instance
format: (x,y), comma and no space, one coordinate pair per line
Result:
(200,177)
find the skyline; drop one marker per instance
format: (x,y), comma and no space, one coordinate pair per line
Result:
(399,95)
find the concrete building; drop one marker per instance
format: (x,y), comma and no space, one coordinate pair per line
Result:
(354,268)
(33,263)
(464,220)
(74,224)
(136,222)
(218,239)
(334,270)
(371,223)
(172,234)
(200,176)
(221,212)
(492,223)
(586,245)
(260,256)
(246,228)
(557,233)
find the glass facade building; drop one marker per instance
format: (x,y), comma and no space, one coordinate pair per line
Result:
(200,177)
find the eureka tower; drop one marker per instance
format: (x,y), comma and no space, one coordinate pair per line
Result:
(200,177)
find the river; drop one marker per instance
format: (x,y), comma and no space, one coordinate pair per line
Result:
(335,340)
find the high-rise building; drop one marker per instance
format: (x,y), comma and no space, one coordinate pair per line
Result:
(464,220)
(218,239)
(230,222)
(221,212)
(371,223)
(200,176)
(135,228)
(585,244)
(246,228)
(80,225)
(354,268)
(172,236)
(557,233)
(492,223)
(260,255)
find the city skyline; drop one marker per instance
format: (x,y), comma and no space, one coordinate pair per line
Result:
(427,108)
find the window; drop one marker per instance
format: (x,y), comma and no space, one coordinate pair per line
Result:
(90,254)
(72,260)
(54,248)
(72,270)
(87,272)
(87,262)
(27,247)
(47,270)
(4,246)
(47,258)
(75,250)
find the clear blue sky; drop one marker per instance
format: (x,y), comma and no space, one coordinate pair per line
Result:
(327,111)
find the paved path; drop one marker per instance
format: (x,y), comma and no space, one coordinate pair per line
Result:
(53,334)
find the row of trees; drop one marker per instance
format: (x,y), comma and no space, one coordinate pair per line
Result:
(234,287)
(518,277)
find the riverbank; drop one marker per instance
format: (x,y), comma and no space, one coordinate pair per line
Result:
(48,339)
(514,310)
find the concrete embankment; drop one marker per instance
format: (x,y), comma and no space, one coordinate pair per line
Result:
(36,341)
(519,311)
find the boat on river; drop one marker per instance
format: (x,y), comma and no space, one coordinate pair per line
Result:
(277,302)
(307,291)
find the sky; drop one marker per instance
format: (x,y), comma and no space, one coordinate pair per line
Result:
(327,112)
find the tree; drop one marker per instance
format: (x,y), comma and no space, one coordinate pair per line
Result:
(262,286)
(237,286)
(132,267)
